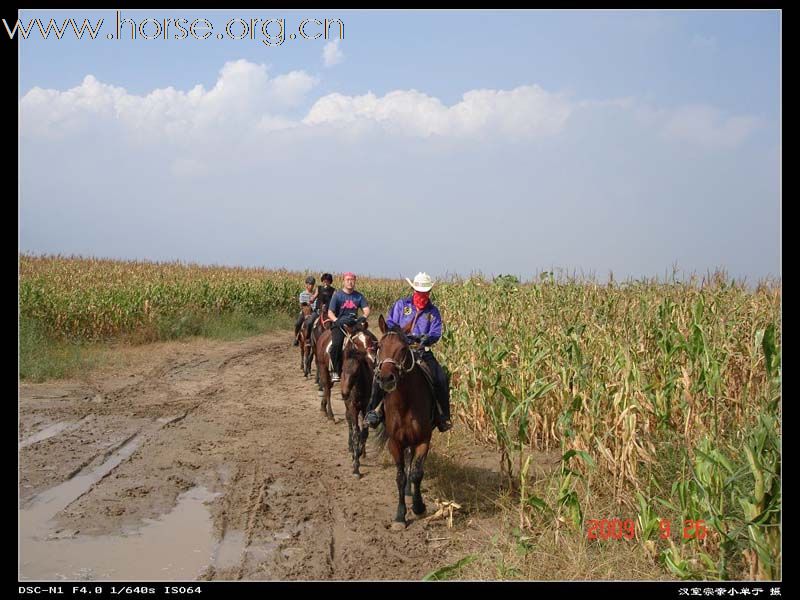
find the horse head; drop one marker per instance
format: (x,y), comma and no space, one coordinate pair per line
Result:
(360,346)
(395,355)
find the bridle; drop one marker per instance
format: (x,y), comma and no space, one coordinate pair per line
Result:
(401,368)
(361,337)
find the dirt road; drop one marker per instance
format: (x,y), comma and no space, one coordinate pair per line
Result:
(211,460)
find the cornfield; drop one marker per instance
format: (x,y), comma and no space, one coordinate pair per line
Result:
(97,299)
(671,392)
(668,391)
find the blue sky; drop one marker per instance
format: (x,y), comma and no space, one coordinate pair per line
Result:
(443,141)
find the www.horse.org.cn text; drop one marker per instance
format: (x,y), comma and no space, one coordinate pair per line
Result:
(269,31)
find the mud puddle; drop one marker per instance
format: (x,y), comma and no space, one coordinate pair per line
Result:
(179,546)
(52,431)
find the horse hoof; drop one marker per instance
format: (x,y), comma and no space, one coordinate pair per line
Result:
(357,475)
(420,511)
(397,526)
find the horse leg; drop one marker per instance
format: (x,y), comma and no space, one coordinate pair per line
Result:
(324,385)
(407,463)
(397,455)
(307,366)
(420,453)
(326,402)
(355,437)
(350,432)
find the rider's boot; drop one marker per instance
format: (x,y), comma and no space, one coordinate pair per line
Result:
(374,416)
(442,411)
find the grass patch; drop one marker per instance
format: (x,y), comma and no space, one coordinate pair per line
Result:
(544,549)
(43,356)
(548,550)
(238,325)
(446,572)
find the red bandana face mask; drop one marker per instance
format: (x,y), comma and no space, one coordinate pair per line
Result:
(420,299)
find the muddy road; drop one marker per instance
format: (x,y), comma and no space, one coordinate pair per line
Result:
(211,460)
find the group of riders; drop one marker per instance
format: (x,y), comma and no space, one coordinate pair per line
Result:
(339,308)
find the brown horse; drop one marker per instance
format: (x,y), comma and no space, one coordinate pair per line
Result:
(323,358)
(313,332)
(358,364)
(408,413)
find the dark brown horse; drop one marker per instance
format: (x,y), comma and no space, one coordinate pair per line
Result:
(323,360)
(313,332)
(359,351)
(408,413)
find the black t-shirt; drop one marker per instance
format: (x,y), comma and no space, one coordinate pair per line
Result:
(324,295)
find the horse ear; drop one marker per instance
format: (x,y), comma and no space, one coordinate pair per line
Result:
(382,324)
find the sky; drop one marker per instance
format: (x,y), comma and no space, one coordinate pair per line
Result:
(451,142)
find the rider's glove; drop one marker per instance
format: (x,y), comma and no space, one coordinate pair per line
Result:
(423,341)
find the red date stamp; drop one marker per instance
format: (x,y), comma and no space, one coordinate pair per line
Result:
(617,529)
(692,529)
(614,529)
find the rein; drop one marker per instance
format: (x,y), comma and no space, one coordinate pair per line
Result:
(401,368)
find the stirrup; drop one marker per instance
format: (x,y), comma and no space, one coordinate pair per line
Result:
(373,419)
(444,425)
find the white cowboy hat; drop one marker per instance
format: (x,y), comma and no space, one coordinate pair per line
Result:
(422,282)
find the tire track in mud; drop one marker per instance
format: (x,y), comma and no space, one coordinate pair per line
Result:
(238,419)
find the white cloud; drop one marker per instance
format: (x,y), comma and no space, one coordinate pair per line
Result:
(244,94)
(246,102)
(526,111)
(46,111)
(708,127)
(331,54)
(158,175)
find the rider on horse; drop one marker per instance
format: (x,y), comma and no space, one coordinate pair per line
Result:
(343,310)
(321,300)
(305,298)
(427,329)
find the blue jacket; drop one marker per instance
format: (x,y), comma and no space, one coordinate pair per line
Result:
(429,322)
